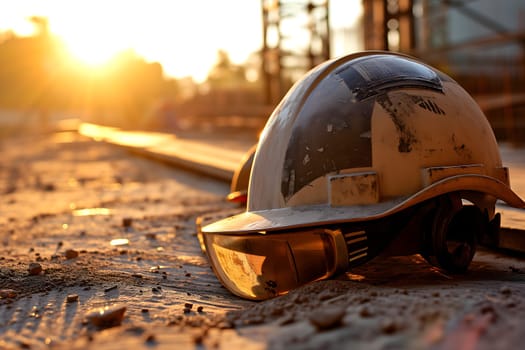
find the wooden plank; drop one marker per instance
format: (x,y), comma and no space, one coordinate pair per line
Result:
(207,158)
(512,232)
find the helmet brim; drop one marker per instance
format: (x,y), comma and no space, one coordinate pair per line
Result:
(324,214)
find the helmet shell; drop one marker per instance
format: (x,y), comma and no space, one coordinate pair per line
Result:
(365,135)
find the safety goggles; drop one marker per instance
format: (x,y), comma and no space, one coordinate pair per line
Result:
(259,266)
(263,265)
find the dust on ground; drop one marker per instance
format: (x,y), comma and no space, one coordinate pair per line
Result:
(86,226)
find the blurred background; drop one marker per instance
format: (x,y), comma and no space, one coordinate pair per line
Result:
(204,64)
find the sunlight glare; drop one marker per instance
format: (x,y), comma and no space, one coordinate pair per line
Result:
(184,36)
(91,52)
(92,33)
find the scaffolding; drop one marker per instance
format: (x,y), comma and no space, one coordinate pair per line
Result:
(481,43)
(296,38)
(389,25)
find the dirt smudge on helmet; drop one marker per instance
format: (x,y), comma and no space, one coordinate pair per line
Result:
(399,106)
(460,148)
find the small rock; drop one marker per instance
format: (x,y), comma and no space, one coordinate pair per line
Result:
(327,318)
(7,293)
(71,254)
(109,316)
(24,345)
(35,269)
(198,338)
(365,312)
(119,242)
(505,290)
(48,187)
(127,222)
(488,309)
(71,298)
(511,304)
(389,326)
(150,339)
(109,289)
(199,309)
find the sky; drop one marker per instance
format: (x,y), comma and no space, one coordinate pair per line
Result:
(183,35)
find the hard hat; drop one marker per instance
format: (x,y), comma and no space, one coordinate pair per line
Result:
(364,149)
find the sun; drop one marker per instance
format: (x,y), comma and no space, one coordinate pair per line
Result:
(92,36)
(90,51)
(183,36)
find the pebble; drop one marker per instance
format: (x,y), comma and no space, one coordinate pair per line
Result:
(198,338)
(119,242)
(7,293)
(49,187)
(151,339)
(106,317)
(327,318)
(365,312)
(109,289)
(505,290)
(389,326)
(71,254)
(127,222)
(35,269)
(187,308)
(71,298)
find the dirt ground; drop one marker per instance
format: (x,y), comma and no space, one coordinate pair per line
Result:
(98,250)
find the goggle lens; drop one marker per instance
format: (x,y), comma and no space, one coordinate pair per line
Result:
(258,266)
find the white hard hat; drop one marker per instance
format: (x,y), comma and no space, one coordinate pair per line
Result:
(366,136)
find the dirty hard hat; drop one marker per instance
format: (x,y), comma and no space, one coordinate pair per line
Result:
(363,150)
